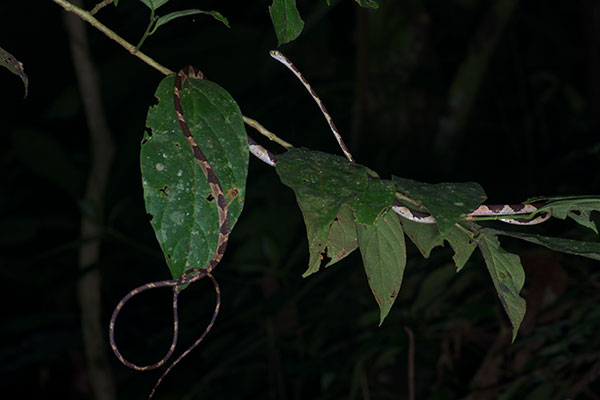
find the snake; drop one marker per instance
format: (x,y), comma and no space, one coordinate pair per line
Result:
(508,213)
(505,213)
(194,274)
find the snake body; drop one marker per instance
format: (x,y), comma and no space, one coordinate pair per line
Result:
(194,274)
(490,211)
(507,213)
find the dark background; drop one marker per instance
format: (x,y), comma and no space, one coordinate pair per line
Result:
(390,79)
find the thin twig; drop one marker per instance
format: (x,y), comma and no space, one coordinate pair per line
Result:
(100,5)
(147,31)
(266,133)
(86,16)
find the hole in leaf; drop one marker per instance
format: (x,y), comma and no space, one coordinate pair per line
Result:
(595,218)
(164,190)
(150,216)
(324,258)
(168,256)
(210,197)
(149,133)
(177,145)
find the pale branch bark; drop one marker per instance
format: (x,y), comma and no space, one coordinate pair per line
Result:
(102,153)
(100,5)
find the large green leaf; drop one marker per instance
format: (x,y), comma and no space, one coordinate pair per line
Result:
(384,257)
(576,247)
(178,199)
(323,183)
(286,20)
(508,276)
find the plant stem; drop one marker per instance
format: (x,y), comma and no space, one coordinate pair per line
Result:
(86,16)
(147,32)
(100,5)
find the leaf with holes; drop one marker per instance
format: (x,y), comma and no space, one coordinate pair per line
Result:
(384,257)
(508,277)
(286,20)
(178,198)
(323,183)
(578,208)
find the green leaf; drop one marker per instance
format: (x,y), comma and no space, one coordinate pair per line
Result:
(368,4)
(323,183)
(8,61)
(370,202)
(508,277)
(183,13)
(448,203)
(424,236)
(178,199)
(384,257)
(286,20)
(153,4)
(576,247)
(461,241)
(578,208)
(342,237)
